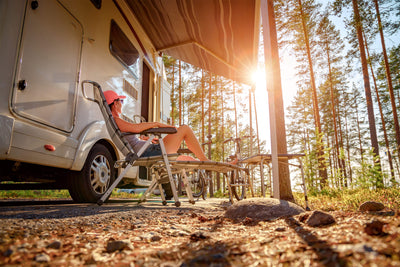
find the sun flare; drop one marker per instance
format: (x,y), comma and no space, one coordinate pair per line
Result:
(258,78)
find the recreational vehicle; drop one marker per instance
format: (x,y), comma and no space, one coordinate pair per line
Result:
(51,136)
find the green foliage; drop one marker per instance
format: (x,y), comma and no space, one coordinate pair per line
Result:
(220,194)
(34,194)
(52,194)
(350,199)
(369,175)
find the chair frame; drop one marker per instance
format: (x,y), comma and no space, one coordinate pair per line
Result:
(132,158)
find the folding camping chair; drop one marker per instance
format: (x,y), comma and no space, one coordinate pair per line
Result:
(158,164)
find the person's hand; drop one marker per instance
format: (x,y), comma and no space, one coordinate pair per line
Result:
(163,125)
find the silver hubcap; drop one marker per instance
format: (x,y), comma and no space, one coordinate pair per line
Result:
(100,174)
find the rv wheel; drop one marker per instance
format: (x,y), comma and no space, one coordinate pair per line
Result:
(96,176)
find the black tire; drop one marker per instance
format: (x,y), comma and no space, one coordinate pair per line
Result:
(196,181)
(238,178)
(97,175)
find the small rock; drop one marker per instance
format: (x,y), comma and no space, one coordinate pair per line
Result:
(55,245)
(197,236)
(202,219)
(319,218)
(155,238)
(280,229)
(218,259)
(262,209)
(179,233)
(248,221)
(384,213)
(8,252)
(374,228)
(42,257)
(303,217)
(114,245)
(371,206)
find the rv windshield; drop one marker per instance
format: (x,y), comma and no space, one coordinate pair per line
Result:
(122,48)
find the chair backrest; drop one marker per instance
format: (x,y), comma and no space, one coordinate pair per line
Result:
(112,128)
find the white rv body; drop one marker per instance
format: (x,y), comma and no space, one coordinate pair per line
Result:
(47,47)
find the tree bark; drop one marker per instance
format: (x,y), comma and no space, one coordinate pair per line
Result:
(211,186)
(202,109)
(340,161)
(180,93)
(381,113)
(274,87)
(389,79)
(172,94)
(367,87)
(321,161)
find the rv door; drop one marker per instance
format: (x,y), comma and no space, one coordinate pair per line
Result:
(48,66)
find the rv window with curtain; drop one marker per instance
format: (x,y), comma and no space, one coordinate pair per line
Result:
(122,48)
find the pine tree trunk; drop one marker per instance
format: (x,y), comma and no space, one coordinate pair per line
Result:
(223,136)
(180,93)
(340,141)
(359,131)
(217,176)
(211,186)
(321,161)
(367,87)
(381,113)
(173,94)
(389,79)
(277,113)
(342,168)
(202,109)
(234,106)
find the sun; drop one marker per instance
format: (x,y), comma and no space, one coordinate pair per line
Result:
(259,79)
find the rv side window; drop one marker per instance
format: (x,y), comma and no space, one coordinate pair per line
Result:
(123,49)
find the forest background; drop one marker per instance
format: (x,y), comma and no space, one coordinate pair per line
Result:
(340,110)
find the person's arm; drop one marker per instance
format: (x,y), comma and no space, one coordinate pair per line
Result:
(125,126)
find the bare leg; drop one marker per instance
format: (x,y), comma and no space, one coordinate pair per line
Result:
(172,142)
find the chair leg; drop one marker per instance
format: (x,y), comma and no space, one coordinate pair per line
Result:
(168,167)
(228,182)
(187,187)
(164,201)
(149,190)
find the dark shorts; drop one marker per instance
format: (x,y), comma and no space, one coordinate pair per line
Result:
(152,150)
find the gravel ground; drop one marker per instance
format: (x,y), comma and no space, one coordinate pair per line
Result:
(123,233)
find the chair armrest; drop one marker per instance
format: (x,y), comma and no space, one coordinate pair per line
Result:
(161,130)
(127,134)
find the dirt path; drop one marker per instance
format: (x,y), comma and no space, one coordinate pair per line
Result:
(121,233)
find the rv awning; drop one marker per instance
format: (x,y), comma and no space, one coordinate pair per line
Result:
(220,36)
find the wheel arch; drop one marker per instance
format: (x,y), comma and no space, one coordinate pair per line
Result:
(95,133)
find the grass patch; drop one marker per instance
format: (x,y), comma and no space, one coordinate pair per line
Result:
(327,200)
(34,194)
(53,194)
(350,199)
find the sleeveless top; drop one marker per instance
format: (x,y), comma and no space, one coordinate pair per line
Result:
(135,142)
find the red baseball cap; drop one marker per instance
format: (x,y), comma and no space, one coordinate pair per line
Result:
(111,96)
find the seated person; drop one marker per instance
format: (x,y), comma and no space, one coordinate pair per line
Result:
(172,142)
